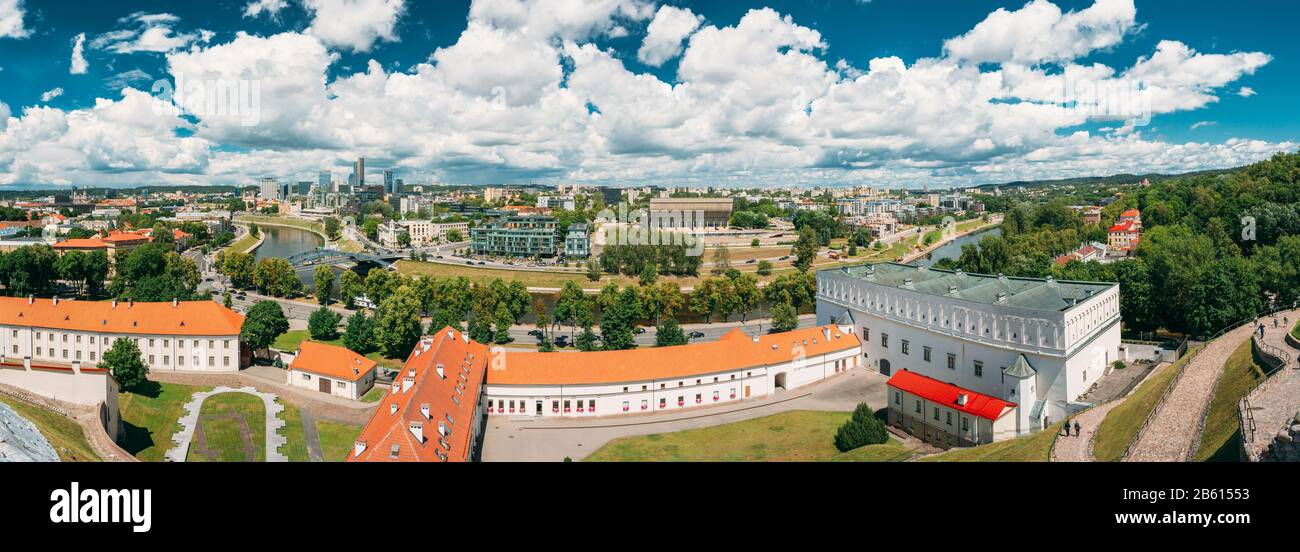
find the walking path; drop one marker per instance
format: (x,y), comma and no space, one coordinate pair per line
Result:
(271,380)
(1275,402)
(310,435)
(1079,448)
(190,420)
(1173,431)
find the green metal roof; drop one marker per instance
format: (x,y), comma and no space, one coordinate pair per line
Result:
(1025,293)
(1020,369)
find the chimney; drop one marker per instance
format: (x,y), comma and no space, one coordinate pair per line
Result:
(407,383)
(442,372)
(31,299)
(174,302)
(358,448)
(417,429)
(962,398)
(115,303)
(827,332)
(443,430)
(55,299)
(424,409)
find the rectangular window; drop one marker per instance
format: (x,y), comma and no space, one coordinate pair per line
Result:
(226,343)
(78,339)
(225,361)
(78,355)
(979,369)
(952,361)
(151,343)
(151,360)
(212,361)
(898,398)
(92,356)
(167,360)
(866,335)
(925,352)
(936,413)
(965,424)
(167,343)
(884,340)
(906,347)
(180,360)
(950,418)
(918,407)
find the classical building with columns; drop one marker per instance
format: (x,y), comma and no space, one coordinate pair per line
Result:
(1031,345)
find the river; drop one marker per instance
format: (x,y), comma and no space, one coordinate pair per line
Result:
(285,242)
(952,249)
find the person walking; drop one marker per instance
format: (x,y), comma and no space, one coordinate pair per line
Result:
(1077,428)
(1067,427)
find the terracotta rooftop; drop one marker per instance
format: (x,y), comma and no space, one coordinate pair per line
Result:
(331,360)
(198,318)
(436,396)
(734,351)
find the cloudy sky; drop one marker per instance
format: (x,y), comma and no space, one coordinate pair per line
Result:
(720,92)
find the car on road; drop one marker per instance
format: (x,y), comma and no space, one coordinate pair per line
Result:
(751,261)
(696,334)
(536,333)
(481,263)
(785,258)
(470,263)
(439,257)
(638,331)
(562,341)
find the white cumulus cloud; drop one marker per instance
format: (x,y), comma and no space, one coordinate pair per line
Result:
(78,65)
(664,37)
(1040,32)
(355,24)
(11,20)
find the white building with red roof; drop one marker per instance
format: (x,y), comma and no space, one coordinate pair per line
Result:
(332,370)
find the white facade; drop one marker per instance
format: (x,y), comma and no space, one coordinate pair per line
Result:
(339,387)
(664,395)
(159,352)
(968,342)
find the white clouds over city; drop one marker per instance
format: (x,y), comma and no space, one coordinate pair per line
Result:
(526,92)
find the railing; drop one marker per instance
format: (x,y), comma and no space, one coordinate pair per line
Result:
(1279,359)
(1193,447)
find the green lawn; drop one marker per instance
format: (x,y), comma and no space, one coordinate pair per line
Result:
(1031,448)
(336,438)
(289,341)
(1295,332)
(797,436)
(375,394)
(1220,441)
(1123,422)
(243,245)
(149,418)
(224,436)
(65,435)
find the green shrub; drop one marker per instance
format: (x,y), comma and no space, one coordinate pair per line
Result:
(862,429)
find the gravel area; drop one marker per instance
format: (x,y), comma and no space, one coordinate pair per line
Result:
(1079,448)
(1275,402)
(1174,429)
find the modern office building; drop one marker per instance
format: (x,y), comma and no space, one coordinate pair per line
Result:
(359,173)
(1034,344)
(611,196)
(519,236)
(577,241)
(390,183)
(325,182)
(269,189)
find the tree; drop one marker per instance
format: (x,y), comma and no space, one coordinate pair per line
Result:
(332,228)
(265,322)
(617,321)
(764,268)
(568,304)
(454,235)
(593,271)
(360,334)
(805,249)
(350,287)
(442,319)
(503,321)
(586,341)
(747,295)
(404,239)
(397,323)
(123,361)
(863,428)
(669,333)
(1226,292)
(648,276)
(324,324)
(784,317)
(275,277)
(227,300)
(517,300)
(324,280)
(721,260)
(380,284)
(239,268)
(254,231)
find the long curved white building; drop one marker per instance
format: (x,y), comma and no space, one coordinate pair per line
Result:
(1034,344)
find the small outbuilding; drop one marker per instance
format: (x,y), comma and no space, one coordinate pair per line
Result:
(332,370)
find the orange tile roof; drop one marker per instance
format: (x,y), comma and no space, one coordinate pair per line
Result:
(199,318)
(331,360)
(734,351)
(933,390)
(1131,213)
(81,243)
(388,437)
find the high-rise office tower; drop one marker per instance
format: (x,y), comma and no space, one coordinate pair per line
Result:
(390,185)
(269,189)
(324,181)
(359,171)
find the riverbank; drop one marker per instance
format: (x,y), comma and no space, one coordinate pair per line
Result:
(247,244)
(994,222)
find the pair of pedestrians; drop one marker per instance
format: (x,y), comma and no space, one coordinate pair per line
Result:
(1078,430)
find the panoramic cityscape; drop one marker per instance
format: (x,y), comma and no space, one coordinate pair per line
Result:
(597,231)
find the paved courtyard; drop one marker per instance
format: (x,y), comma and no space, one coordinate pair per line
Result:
(532,440)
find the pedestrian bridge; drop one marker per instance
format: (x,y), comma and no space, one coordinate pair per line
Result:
(323,256)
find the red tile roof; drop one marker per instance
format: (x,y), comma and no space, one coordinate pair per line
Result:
(1126,226)
(197,318)
(331,360)
(451,399)
(734,351)
(935,391)
(86,243)
(1131,213)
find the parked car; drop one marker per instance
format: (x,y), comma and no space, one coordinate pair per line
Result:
(696,334)
(562,341)
(536,333)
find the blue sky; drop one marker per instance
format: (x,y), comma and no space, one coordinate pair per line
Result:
(576,98)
